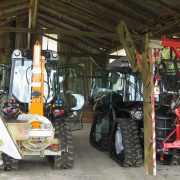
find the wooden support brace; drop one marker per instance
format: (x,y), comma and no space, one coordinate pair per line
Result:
(143,63)
(148,110)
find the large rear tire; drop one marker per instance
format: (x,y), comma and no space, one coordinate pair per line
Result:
(99,134)
(129,152)
(9,163)
(66,160)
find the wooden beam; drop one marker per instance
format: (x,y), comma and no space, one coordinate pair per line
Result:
(172,9)
(108,9)
(13,9)
(62,32)
(93,42)
(165,28)
(13,16)
(68,43)
(85,42)
(78,21)
(75,12)
(100,42)
(136,4)
(85,52)
(34,19)
(8,16)
(33,10)
(53,23)
(30,23)
(80,3)
(7,3)
(71,54)
(44,23)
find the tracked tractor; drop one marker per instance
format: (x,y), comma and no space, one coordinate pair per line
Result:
(118,125)
(160,125)
(117,120)
(35,121)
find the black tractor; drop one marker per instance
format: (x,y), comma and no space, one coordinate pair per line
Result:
(118,116)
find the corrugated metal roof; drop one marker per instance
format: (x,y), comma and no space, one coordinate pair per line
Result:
(142,16)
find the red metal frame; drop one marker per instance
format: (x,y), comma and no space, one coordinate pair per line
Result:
(176,143)
(175,45)
(172,43)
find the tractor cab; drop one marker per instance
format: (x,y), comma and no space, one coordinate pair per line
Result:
(118,80)
(21,75)
(35,121)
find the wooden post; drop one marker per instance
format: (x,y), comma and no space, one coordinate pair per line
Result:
(148,108)
(33,10)
(143,63)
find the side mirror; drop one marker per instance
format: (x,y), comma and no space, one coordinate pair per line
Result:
(79,102)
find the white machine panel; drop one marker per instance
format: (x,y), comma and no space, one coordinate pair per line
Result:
(8,145)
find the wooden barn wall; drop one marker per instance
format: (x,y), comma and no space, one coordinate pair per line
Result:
(11,41)
(21,38)
(7,45)
(69,45)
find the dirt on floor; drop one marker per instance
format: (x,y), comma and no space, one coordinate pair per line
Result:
(90,164)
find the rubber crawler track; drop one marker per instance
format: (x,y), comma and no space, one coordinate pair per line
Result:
(132,153)
(66,160)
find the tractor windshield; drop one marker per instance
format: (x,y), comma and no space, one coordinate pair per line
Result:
(21,81)
(132,87)
(125,83)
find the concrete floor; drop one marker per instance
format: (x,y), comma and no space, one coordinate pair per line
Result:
(90,164)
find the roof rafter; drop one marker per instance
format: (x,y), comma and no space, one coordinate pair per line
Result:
(33,10)
(54,24)
(78,21)
(13,9)
(69,9)
(68,43)
(7,3)
(108,9)
(63,33)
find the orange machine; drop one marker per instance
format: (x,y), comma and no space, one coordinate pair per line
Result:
(36,105)
(34,122)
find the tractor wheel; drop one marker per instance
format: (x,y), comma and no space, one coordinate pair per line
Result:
(99,134)
(173,159)
(9,163)
(66,160)
(124,144)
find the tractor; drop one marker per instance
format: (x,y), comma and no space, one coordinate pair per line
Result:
(118,125)
(35,121)
(117,119)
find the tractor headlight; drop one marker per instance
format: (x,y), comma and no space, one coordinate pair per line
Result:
(137,114)
(54,55)
(16,53)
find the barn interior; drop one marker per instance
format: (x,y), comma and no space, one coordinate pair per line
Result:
(88,37)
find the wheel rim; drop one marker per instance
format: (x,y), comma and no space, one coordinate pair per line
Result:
(118,141)
(98,133)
